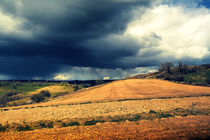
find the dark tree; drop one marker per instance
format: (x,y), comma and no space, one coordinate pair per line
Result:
(167,67)
(180,66)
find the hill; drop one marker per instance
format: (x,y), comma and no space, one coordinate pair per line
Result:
(131,89)
(19,92)
(182,73)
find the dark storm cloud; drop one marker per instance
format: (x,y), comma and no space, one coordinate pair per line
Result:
(54,32)
(26,67)
(79,18)
(107,51)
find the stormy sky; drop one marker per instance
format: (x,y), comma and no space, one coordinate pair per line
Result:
(100,39)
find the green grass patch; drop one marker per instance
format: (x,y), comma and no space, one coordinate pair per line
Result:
(8,86)
(15,93)
(200,77)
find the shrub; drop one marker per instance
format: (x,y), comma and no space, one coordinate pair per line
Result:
(41,96)
(50,125)
(42,125)
(162,115)
(46,93)
(136,118)
(2,128)
(37,97)
(152,111)
(76,88)
(118,120)
(70,124)
(24,128)
(93,122)
(46,125)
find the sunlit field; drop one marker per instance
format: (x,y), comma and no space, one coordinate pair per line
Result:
(165,103)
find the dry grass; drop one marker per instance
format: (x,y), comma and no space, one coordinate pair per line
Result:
(191,127)
(94,110)
(134,89)
(51,89)
(128,89)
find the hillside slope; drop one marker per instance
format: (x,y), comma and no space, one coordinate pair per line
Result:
(192,75)
(133,89)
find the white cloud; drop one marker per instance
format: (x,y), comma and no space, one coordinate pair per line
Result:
(11,26)
(62,77)
(7,24)
(15,26)
(176,32)
(106,78)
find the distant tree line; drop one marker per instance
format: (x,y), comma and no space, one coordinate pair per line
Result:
(172,72)
(181,68)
